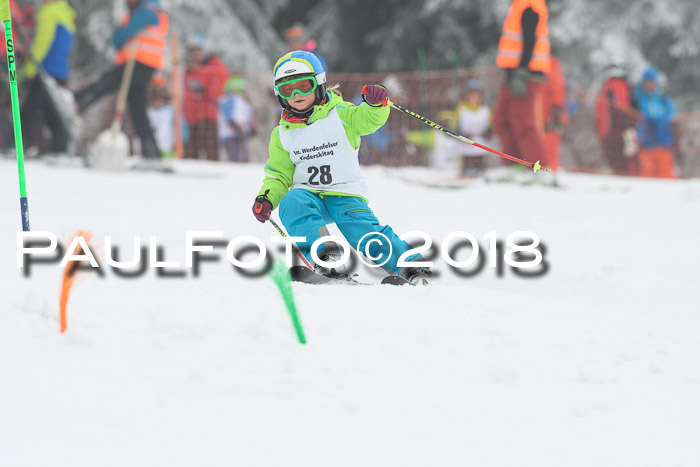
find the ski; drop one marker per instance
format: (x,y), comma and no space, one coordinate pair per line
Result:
(165,167)
(432,179)
(307,276)
(395,280)
(445,183)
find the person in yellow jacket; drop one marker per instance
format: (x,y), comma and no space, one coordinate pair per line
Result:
(523,52)
(53,42)
(146,24)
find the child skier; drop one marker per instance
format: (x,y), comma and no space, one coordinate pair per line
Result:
(313,171)
(473,120)
(161,116)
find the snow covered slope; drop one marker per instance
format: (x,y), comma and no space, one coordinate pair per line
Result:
(596,363)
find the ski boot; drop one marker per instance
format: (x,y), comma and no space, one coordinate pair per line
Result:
(328,272)
(416,275)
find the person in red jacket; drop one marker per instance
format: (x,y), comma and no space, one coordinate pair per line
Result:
(204,82)
(615,121)
(25,17)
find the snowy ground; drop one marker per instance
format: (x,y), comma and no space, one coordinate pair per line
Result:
(595,364)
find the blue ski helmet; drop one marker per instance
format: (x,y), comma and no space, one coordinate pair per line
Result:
(300,62)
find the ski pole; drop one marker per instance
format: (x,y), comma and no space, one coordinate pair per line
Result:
(284,234)
(535,167)
(6,18)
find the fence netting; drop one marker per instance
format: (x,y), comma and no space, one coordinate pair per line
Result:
(403,141)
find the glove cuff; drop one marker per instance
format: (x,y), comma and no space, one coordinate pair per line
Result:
(381,104)
(263,196)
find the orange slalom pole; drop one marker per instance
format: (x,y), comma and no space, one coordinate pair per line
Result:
(68,281)
(177,96)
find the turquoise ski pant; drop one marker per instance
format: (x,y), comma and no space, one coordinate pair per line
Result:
(304,213)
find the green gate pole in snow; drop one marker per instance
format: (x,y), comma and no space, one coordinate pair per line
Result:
(6,18)
(280,276)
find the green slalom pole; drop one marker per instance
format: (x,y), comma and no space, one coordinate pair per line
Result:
(6,18)
(280,276)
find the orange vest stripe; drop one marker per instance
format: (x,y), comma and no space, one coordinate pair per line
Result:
(510,47)
(152,43)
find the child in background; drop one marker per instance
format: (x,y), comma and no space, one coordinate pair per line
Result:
(654,128)
(235,120)
(161,115)
(556,118)
(445,151)
(313,172)
(473,121)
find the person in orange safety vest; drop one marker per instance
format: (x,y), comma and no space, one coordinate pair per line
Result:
(524,54)
(143,32)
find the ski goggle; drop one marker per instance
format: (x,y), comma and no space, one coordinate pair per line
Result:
(302,86)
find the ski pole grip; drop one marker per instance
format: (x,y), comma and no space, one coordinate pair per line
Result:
(384,102)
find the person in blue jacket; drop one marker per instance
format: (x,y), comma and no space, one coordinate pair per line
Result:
(53,42)
(654,130)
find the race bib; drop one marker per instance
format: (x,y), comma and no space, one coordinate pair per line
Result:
(323,157)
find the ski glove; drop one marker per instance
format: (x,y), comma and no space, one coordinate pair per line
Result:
(518,82)
(262,208)
(375,95)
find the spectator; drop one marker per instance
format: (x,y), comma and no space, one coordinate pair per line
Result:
(204,80)
(6,129)
(146,25)
(24,19)
(161,115)
(444,151)
(473,121)
(556,115)
(51,51)
(615,121)
(523,51)
(236,122)
(654,127)
(21,18)
(297,40)
(376,147)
